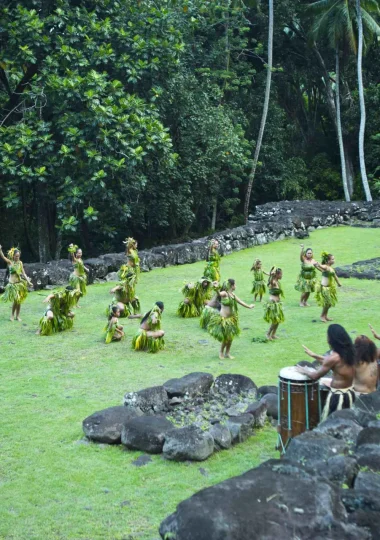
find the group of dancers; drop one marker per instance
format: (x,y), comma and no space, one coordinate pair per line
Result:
(213,300)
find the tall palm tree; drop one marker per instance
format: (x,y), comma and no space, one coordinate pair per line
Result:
(264,115)
(339,21)
(363,171)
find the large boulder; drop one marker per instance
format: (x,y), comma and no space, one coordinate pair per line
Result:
(363,508)
(340,428)
(268,502)
(149,400)
(267,389)
(369,402)
(222,436)
(241,427)
(146,433)
(188,443)
(59,271)
(368,481)
(38,274)
(338,469)
(362,418)
(98,268)
(191,384)
(271,403)
(311,447)
(259,412)
(234,384)
(105,426)
(369,436)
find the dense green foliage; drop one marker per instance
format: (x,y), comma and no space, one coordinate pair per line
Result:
(141,117)
(53,485)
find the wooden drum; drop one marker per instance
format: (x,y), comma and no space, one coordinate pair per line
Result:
(299,405)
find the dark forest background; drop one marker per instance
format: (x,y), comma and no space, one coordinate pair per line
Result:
(140,118)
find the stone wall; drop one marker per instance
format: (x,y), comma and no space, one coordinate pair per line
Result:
(271,222)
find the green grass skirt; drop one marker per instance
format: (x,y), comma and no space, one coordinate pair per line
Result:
(212,271)
(206,315)
(15,292)
(223,328)
(78,282)
(109,335)
(187,311)
(304,285)
(48,327)
(141,342)
(259,288)
(326,296)
(274,312)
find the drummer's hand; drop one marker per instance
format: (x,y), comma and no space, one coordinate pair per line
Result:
(251,306)
(308,351)
(301,369)
(373,332)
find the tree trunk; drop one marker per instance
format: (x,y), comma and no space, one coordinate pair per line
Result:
(363,171)
(350,174)
(213,219)
(43,225)
(58,246)
(339,127)
(264,115)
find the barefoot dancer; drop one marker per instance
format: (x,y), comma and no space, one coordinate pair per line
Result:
(150,337)
(196,296)
(326,295)
(125,292)
(114,331)
(259,287)
(340,360)
(224,326)
(58,316)
(16,290)
(78,278)
(212,269)
(307,279)
(273,310)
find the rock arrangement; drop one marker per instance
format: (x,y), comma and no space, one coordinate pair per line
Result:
(327,486)
(369,269)
(271,221)
(187,418)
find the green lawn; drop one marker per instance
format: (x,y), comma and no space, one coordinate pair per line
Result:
(52,484)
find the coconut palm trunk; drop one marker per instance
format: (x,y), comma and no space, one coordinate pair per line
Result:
(363,171)
(339,127)
(264,115)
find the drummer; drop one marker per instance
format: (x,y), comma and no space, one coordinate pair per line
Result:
(341,361)
(377,336)
(366,371)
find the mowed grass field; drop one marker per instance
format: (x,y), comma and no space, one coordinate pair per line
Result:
(55,486)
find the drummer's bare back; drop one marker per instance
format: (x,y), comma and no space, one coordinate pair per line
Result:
(343,375)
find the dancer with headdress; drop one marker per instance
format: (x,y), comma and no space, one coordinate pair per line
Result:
(150,337)
(307,279)
(274,313)
(114,331)
(78,278)
(16,289)
(58,315)
(326,293)
(224,326)
(196,296)
(132,255)
(212,269)
(258,288)
(125,297)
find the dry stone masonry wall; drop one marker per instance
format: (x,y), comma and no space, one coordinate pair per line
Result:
(271,222)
